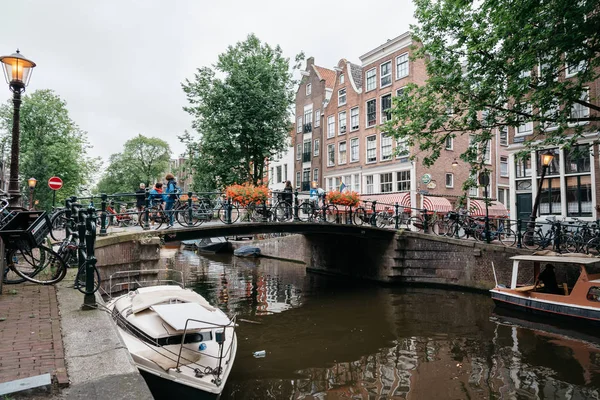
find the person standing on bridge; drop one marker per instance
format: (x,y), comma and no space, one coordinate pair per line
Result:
(140,197)
(170,196)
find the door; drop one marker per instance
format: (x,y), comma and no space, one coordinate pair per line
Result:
(524,206)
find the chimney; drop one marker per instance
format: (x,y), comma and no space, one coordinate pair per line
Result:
(310,61)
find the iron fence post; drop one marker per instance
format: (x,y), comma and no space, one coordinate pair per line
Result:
(296,219)
(68,217)
(81,225)
(349,216)
(264,211)
(228,209)
(373,214)
(425,221)
(519,234)
(89,299)
(190,210)
(557,237)
(147,211)
(103,232)
(397,216)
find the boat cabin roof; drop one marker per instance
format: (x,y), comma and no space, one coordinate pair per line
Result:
(565,259)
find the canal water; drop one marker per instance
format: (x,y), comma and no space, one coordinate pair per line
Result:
(330,338)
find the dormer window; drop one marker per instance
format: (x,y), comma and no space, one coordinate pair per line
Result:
(308,89)
(341,79)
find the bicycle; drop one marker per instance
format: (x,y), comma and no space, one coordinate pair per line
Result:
(309,210)
(504,235)
(537,239)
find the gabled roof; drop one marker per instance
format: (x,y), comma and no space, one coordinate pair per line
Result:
(356,71)
(326,74)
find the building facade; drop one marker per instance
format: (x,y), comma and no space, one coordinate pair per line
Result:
(281,168)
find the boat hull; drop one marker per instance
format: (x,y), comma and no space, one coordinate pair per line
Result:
(548,308)
(162,388)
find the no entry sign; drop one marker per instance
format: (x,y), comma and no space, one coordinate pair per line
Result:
(55,183)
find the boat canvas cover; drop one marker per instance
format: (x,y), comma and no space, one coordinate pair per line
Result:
(147,299)
(176,316)
(166,356)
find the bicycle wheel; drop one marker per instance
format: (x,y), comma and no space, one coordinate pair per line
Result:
(234,213)
(10,275)
(359,217)
(40,265)
(156,217)
(306,211)
(330,214)
(507,237)
(283,212)
(415,224)
(574,244)
(197,216)
(593,246)
(383,219)
(58,221)
(532,240)
(457,230)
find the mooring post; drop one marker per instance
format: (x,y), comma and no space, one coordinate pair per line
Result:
(104,198)
(190,210)
(228,209)
(89,299)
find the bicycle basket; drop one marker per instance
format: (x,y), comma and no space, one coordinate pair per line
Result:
(26,230)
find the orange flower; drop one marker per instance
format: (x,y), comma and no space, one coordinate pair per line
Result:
(348,199)
(247,193)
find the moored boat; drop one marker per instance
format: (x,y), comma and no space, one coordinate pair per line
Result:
(247,251)
(575,298)
(207,245)
(174,334)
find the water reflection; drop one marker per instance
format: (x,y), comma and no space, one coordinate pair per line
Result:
(327,338)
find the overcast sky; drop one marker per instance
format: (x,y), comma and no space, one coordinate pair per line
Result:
(119,64)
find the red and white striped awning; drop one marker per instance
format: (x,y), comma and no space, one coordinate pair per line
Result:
(495,208)
(388,199)
(437,204)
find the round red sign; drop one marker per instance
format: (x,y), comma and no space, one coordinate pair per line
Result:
(55,183)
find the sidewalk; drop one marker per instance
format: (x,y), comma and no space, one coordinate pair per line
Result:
(30,334)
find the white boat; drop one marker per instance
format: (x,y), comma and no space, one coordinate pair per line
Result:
(175,335)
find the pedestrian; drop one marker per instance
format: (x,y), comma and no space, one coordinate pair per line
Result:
(288,197)
(170,196)
(140,196)
(156,199)
(548,278)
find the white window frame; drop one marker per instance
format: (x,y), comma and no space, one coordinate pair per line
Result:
(383,117)
(406,180)
(528,125)
(367,113)
(367,149)
(344,120)
(382,76)
(387,136)
(356,183)
(487,152)
(357,126)
(451,143)
(330,126)
(367,79)
(344,95)
(503,161)
(316,148)
(352,141)
(298,152)
(298,179)
(585,95)
(369,186)
(317,118)
(316,174)
(578,68)
(402,144)
(342,80)
(299,126)
(389,183)
(503,142)
(398,76)
(308,89)
(330,163)
(345,159)
(451,176)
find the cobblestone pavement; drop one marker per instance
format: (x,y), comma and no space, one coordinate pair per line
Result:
(30,335)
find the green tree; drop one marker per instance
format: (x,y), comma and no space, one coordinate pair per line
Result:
(241,109)
(51,145)
(143,159)
(483,63)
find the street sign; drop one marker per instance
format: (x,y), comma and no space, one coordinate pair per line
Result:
(55,183)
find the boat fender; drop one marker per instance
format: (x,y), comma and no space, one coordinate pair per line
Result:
(202,346)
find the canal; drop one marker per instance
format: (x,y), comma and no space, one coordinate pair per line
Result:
(329,338)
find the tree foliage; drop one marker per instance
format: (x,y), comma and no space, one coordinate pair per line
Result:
(483,64)
(241,109)
(143,160)
(51,145)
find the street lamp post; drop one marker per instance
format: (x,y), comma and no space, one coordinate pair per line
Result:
(17,71)
(546,160)
(31,182)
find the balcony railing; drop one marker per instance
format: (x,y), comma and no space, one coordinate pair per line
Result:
(308,128)
(306,157)
(305,186)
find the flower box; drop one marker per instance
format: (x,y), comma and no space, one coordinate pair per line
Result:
(347,199)
(247,193)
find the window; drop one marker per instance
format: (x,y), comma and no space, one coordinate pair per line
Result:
(449,143)
(371,78)
(371,112)
(341,97)
(342,153)
(551,115)
(550,200)
(307,120)
(279,176)
(526,127)
(386,74)
(386,106)
(371,149)
(330,126)
(577,160)
(579,195)
(316,174)
(504,196)
(487,152)
(593,294)
(272,176)
(317,118)
(386,147)
(342,79)
(353,149)
(354,123)
(298,179)
(449,180)
(369,184)
(306,179)
(285,174)
(579,110)
(342,122)
(574,69)
(400,91)
(401,148)
(330,155)
(306,152)
(356,183)
(503,166)
(308,89)
(385,182)
(553,168)
(402,66)
(402,181)
(348,181)
(523,167)
(474,191)
(503,136)
(299,152)
(544,69)
(299,125)
(316,148)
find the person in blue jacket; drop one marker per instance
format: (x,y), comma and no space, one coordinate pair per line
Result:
(170,195)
